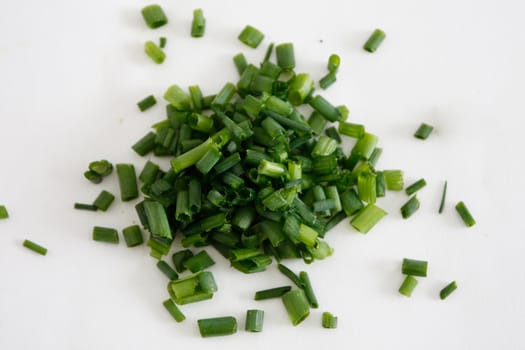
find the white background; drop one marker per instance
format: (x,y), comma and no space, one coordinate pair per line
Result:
(71,73)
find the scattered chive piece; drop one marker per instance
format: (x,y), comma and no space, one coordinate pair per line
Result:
(394,180)
(291,275)
(374,157)
(217,326)
(198,262)
(254,320)
(327,80)
(240,62)
(350,129)
(80,206)
(285,56)
(93,177)
(198,25)
(408,286)
(365,146)
(154,52)
(179,258)
(193,288)
(174,310)
(329,320)
(423,131)
(449,288)
(271,293)
(268,53)
(146,144)
(149,173)
(374,41)
(467,218)
(414,267)
(133,236)
(127,182)
(296,305)
(410,207)
(34,247)
(157,219)
(325,108)
(162,42)
(104,200)
(367,217)
(167,270)
(300,88)
(146,103)
(251,36)
(443,197)
(178,98)
(416,186)
(154,16)
(105,234)
(101,167)
(333,63)
(308,290)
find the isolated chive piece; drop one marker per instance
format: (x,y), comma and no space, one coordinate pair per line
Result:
(251,36)
(198,25)
(162,42)
(423,131)
(350,129)
(416,186)
(414,267)
(350,202)
(443,198)
(449,288)
(240,62)
(127,182)
(329,320)
(285,55)
(179,258)
(374,41)
(178,98)
(80,206)
(93,177)
(104,200)
(271,293)
(410,207)
(217,326)
(192,156)
(394,180)
(174,310)
(198,262)
(101,167)
(154,16)
(154,52)
(146,103)
(327,80)
(408,286)
(167,270)
(367,218)
(133,236)
(254,320)
(325,108)
(308,290)
(105,234)
(467,218)
(145,145)
(333,63)
(296,305)
(291,275)
(300,88)
(34,247)
(157,219)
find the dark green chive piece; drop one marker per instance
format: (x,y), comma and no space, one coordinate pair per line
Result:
(463,211)
(80,206)
(198,25)
(174,310)
(410,207)
(133,236)
(154,52)
(414,267)
(449,288)
(162,42)
(179,258)
(146,144)
(254,320)
(308,289)
(93,177)
(127,182)
(443,198)
(271,293)
(198,262)
(105,234)
(101,167)
(104,200)
(329,320)
(34,247)
(408,286)
(327,80)
(146,103)
(154,16)
(4,214)
(167,270)
(423,131)
(285,56)
(240,62)
(416,186)
(296,305)
(374,41)
(251,36)
(217,326)
(291,275)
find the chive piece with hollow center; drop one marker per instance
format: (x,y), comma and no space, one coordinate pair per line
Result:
(308,289)
(154,52)
(174,310)
(34,247)
(198,25)
(146,144)
(465,215)
(162,42)
(327,80)
(367,218)
(157,219)
(285,56)
(104,200)
(365,146)
(329,320)
(443,198)
(146,103)
(133,236)
(198,262)
(300,88)
(251,36)
(414,267)
(179,258)
(240,62)
(93,177)
(408,286)
(416,186)
(154,16)
(374,40)
(291,275)
(325,108)
(217,326)
(254,320)
(178,98)
(80,206)
(101,167)
(167,270)
(449,288)
(196,97)
(208,160)
(268,53)
(271,293)
(296,305)
(105,234)
(350,202)
(127,182)
(192,156)
(333,63)
(410,207)
(394,180)
(424,131)
(350,129)
(324,146)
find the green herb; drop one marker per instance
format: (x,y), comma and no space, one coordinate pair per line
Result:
(34,247)
(374,41)
(465,215)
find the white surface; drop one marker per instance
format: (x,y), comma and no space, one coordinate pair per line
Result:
(71,73)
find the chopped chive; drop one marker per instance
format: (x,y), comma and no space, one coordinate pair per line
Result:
(101,167)
(374,41)
(327,80)
(182,208)
(105,234)
(157,219)
(374,157)
(332,133)
(350,129)
(178,98)
(104,200)
(198,262)
(192,156)
(146,103)
(291,275)
(317,122)
(308,290)
(300,126)
(324,205)
(174,310)
(345,112)
(465,215)
(228,163)
(208,160)
(408,286)
(271,293)
(380,184)
(93,177)
(145,145)
(194,196)
(423,131)
(410,207)
(325,108)
(447,290)
(350,202)
(198,25)
(224,96)
(154,52)
(324,147)
(443,197)
(149,172)
(296,305)
(332,193)
(300,88)
(154,16)
(240,62)
(365,146)
(366,186)
(217,326)
(394,180)
(133,236)
(200,122)
(278,106)
(367,217)
(80,206)
(193,288)
(416,186)
(271,169)
(127,182)
(34,247)
(254,320)
(333,63)
(329,320)
(162,42)
(167,270)
(251,36)
(414,267)
(179,258)
(285,56)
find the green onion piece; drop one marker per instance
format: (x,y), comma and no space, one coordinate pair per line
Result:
(162,42)
(416,186)
(133,236)
(243,218)
(300,88)
(217,326)
(317,122)
(278,106)
(104,200)
(213,221)
(333,194)
(182,208)
(192,288)
(334,220)
(300,126)
(329,320)
(167,270)
(157,219)
(307,235)
(332,133)
(101,167)
(443,197)
(208,160)
(178,98)
(380,184)
(423,131)
(327,80)
(271,169)
(127,182)
(224,96)
(324,165)
(240,254)
(268,52)
(285,56)
(199,262)
(227,163)
(198,25)
(365,146)
(154,52)
(308,290)
(408,286)
(325,108)
(81,206)
(345,112)
(149,172)
(93,177)
(367,218)
(271,70)
(271,293)
(291,275)
(145,145)
(154,16)
(366,186)
(34,247)
(465,215)
(233,180)
(254,320)
(246,78)
(174,310)
(179,258)
(333,63)
(374,157)
(449,288)
(194,196)
(324,147)
(414,267)
(394,180)
(251,36)
(200,122)
(350,129)
(296,305)
(374,41)
(350,202)
(410,207)
(192,156)
(105,234)
(324,205)
(240,62)
(146,103)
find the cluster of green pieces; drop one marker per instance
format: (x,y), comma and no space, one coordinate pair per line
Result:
(411,268)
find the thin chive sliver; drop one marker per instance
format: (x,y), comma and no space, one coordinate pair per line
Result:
(146,103)
(374,41)
(154,16)
(127,182)
(133,236)
(416,186)
(408,286)
(465,215)
(328,320)
(291,275)
(367,217)
(308,289)
(104,200)
(296,305)
(254,320)
(271,293)
(34,247)
(443,198)
(410,207)
(424,131)
(198,25)
(414,267)
(4,214)
(105,234)
(167,270)
(217,326)
(447,290)
(80,206)
(174,310)
(251,36)
(199,262)
(154,52)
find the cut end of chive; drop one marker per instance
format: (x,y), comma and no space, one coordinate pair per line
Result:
(447,290)
(3,212)
(414,267)
(34,247)
(408,286)
(329,321)
(218,326)
(465,215)
(374,41)
(367,218)
(423,132)
(251,36)
(154,16)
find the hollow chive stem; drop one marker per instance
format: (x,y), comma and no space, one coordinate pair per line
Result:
(350,129)
(367,217)
(240,62)
(157,219)
(465,215)
(167,270)
(127,182)
(291,275)
(325,108)
(162,42)
(334,61)
(198,25)
(443,198)
(374,41)
(251,36)
(80,206)
(179,258)
(192,156)
(408,286)
(424,131)
(198,262)
(365,146)
(4,214)
(217,326)
(104,200)
(34,247)
(174,310)
(324,147)
(447,290)
(410,207)
(105,234)
(296,305)
(308,289)
(178,98)
(254,320)
(208,160)
(93,177)
(374,157)
(145,145)
(101,167)
(300,88)
(268,53)
(394,180)
(350,202)
(271,169)
(416,186)
(327,80)
(154,16)
(154,52)
(133,236)
(329,320)
(285,56)
(146,103)
(193,288)
(414,267)
(271,293)
(224,96)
